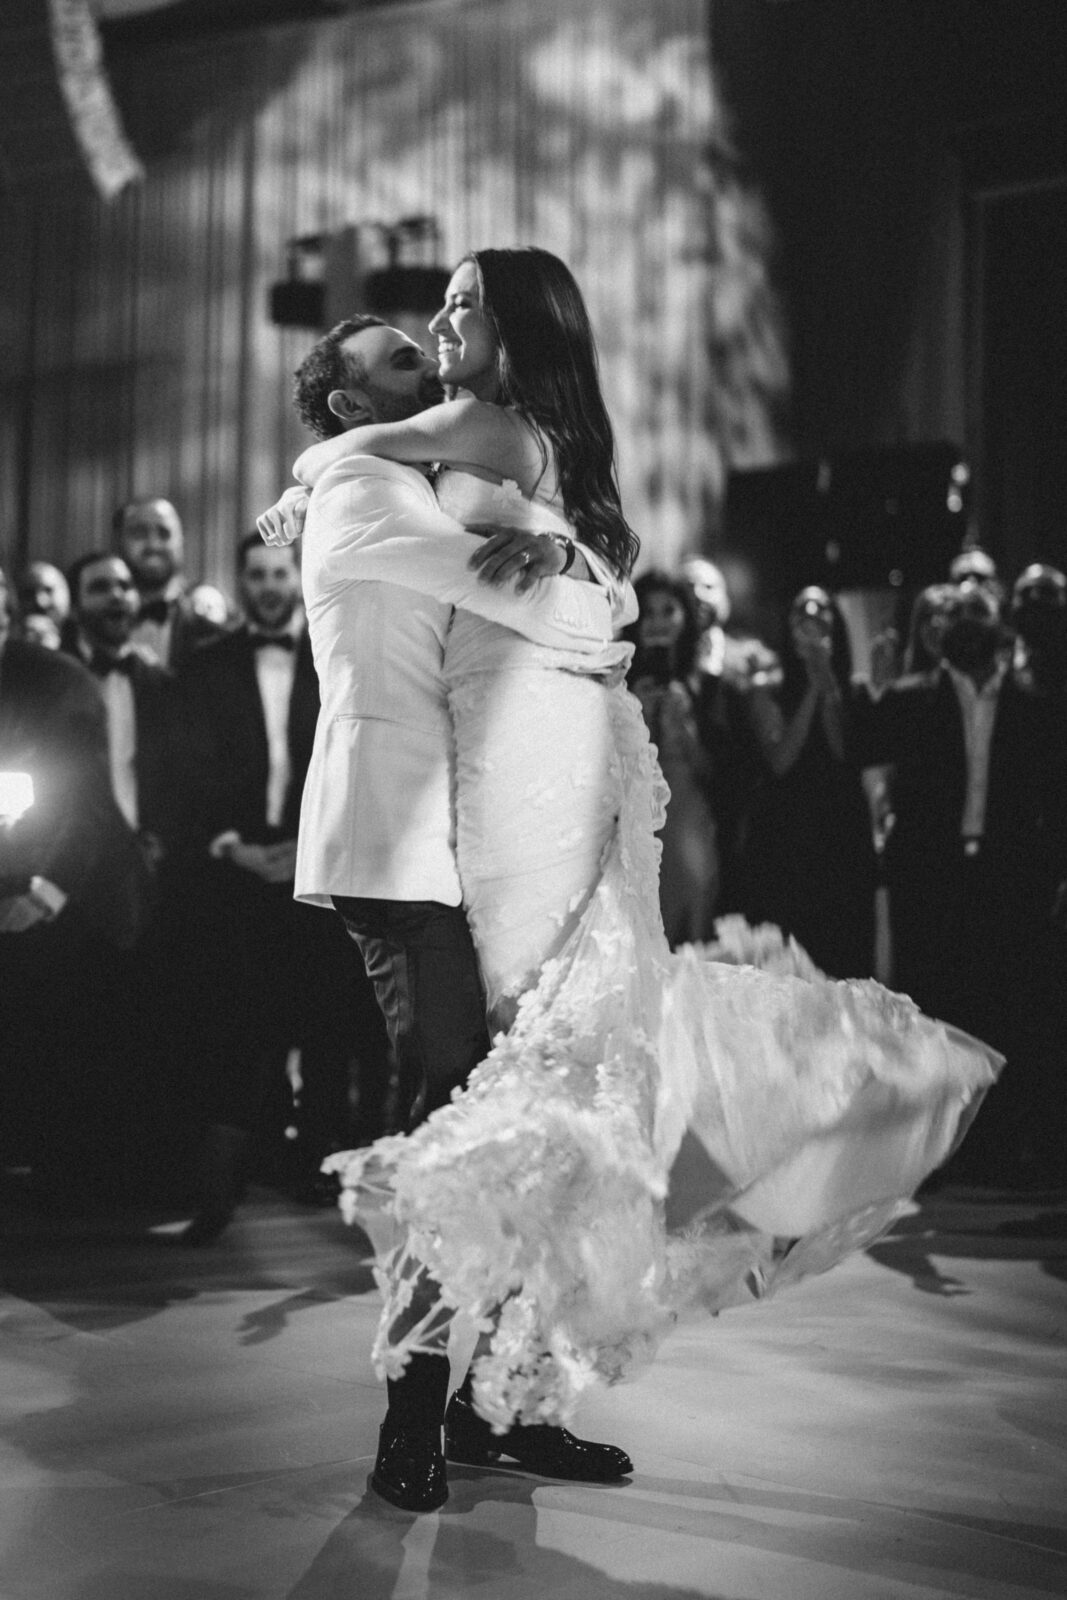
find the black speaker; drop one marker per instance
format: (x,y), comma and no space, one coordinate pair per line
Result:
(894,518)
(773,541)
(394,293)
(869,519)
(298,303)
(394,290)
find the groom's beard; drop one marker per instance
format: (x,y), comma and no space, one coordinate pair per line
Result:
(397,408)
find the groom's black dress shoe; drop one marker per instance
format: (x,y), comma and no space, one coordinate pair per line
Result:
(550,1452)
(410,1469)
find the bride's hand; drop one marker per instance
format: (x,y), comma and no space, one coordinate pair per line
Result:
(283,523)
(513,553)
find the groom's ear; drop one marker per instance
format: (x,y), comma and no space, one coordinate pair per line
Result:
(350,406)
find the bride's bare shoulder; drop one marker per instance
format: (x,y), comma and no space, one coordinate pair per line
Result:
(493,437)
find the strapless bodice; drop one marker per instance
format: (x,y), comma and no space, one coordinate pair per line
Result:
(473,500)
(477,647)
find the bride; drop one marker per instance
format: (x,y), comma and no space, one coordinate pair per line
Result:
(651,1132)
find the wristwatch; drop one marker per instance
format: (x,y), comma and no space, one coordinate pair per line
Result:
(569,552)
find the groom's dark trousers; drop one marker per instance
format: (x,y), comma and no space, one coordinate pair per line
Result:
(420,958)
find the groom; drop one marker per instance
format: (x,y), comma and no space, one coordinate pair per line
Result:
(377,831)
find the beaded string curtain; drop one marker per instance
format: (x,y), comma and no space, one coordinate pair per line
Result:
(143,356)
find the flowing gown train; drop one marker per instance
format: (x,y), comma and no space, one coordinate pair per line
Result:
(656,1132)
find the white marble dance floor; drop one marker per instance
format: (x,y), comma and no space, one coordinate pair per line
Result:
(200,1425)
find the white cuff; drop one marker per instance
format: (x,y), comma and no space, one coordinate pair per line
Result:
(48,895)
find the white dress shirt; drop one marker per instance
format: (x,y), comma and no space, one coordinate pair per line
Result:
(275,671)
(117,692)
(978,708)
(152,638)
(122,742)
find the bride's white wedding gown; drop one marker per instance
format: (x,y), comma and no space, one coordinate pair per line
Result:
(655,1131)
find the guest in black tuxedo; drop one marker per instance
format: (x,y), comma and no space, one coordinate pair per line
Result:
(72,896)
(139,695)
(148,535)
(276,974)
(136,1015)
(975,852)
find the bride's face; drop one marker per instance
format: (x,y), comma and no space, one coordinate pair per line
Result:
(466,345)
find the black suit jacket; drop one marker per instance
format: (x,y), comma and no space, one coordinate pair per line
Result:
(917,725)
(156,762)
(189,632)
(53,725)
(157,758)
(226,740)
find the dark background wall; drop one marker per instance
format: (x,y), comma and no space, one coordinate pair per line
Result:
(141,353)
(914,159)
(912,155)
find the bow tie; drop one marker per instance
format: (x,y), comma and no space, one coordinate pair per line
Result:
(102,665)
(280,641)
(155,611)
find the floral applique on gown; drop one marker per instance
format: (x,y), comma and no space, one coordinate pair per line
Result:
(657,1132)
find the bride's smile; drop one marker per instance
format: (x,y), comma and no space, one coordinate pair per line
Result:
(467,346)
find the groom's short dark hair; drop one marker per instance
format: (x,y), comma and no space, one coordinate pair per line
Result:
(327,367)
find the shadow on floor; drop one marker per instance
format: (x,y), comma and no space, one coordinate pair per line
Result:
(378,1552)
(111,1270)
(975,1225)
(486,1539)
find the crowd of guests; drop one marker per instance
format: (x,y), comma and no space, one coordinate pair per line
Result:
(172,1022)
(911,824)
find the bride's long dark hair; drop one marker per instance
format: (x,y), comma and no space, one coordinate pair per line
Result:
(548,370)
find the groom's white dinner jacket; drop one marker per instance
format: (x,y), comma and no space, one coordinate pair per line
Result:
(377,817)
